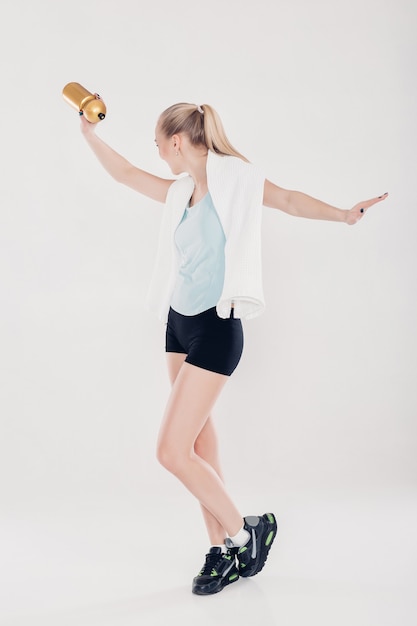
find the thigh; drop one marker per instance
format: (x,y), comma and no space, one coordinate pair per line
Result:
(174,363)
(192,398)
(206,443)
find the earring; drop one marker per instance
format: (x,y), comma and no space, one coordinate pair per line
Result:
(177,153)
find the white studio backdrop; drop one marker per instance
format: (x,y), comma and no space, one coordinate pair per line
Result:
(322,96)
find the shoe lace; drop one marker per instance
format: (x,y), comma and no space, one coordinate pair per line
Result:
(210,564)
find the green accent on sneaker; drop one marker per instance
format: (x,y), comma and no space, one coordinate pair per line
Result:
(228,557)
(271,518)
(269,538)
(242,549)
(233,577)
(213,573)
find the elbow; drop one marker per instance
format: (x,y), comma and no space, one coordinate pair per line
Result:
(276,197)
(288,206)
(291,205)
(120,176)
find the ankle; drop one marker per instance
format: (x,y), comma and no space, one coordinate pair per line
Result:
(241,538)
(222,547)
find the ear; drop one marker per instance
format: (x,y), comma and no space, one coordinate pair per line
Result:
(176,141)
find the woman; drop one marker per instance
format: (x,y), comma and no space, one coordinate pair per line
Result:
(207,278)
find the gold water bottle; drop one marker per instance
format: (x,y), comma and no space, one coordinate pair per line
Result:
(89,104)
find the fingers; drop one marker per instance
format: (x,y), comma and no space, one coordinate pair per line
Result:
(359,210)
(362,206)
(368,203)
(380,198)
(86,126)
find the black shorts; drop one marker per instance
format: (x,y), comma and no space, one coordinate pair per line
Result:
(209,341)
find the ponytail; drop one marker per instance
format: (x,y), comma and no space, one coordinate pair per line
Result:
(216,139)
(201,124)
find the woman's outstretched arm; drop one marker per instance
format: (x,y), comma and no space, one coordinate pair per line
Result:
(122,170)
(301,205)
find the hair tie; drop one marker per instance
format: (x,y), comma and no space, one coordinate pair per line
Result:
(200,110)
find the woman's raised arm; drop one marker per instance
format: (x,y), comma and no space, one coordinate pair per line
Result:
(302,205)
(122,170)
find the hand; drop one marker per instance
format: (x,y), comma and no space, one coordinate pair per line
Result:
(87,128)
(359,210)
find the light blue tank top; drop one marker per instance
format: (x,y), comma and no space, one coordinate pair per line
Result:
(200,241)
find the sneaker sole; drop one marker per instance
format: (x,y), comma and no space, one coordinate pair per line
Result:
(210,589)
(264,543)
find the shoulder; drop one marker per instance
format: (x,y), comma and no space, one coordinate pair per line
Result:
(225,161)
(180,188)
(228,165)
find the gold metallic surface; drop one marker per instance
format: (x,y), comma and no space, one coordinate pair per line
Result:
(83,100)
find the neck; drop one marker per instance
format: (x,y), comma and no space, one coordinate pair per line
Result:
(196,168)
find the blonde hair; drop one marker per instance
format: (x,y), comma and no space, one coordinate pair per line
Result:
(201,124)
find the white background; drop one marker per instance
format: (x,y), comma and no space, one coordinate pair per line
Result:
(318,423)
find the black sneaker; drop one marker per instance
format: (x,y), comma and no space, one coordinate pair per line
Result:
(218,571)
(252,556)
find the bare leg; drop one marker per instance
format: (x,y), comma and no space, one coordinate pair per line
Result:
(192,398)
(205,447)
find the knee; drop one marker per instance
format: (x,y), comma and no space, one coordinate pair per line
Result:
(164,455)
(170,457)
